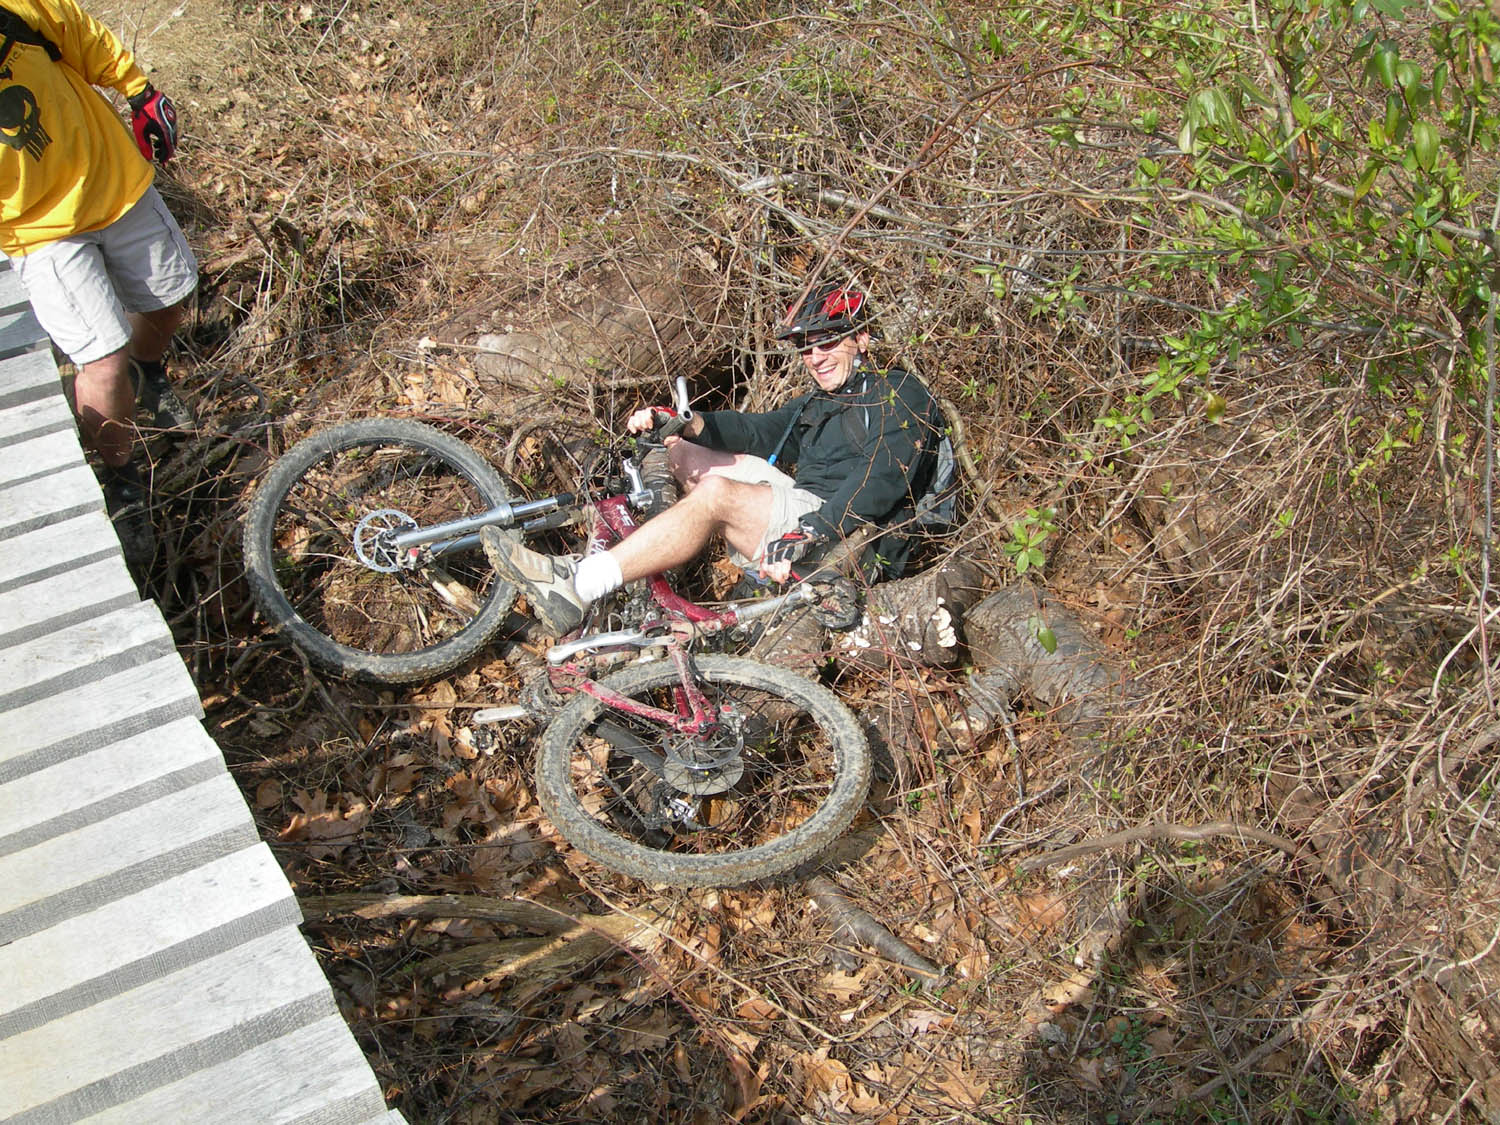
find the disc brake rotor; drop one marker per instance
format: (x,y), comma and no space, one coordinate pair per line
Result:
(373,537)
(702,769)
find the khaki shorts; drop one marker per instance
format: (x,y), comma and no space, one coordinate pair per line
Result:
(788,502)
(84,287)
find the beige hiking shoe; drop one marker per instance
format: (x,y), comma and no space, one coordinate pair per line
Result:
(546,580)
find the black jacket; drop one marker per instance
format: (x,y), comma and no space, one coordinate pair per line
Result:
(869,449)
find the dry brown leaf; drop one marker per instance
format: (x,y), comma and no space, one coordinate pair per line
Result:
(646,1031)
(723,575)
(434,701)
(964,1088)
(742,1040)
(1043,910)
(1077,989)
(460,744)
(862,1100)
(329,828)
(973,824)
(843,987)
(747,1083)
(1088,1074)
(975,964)
(1158,980)
(708,942)
(924,1020)
(758,1013)
(445,386)
(268,794)
(822,1075)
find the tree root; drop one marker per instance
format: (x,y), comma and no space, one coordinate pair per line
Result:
(478,908)
(1157,832)
(572,942)
(851,922)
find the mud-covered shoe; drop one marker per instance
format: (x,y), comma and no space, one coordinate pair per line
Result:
(546,580)
(157,397)
(128,503)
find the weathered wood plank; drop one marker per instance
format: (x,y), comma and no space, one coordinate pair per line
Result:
(142,1040)
(124,701)
(28,377)
(23,462)
(52,664)
(273,1084)
(35,610)
(62,496)
(12,292)
(98,863)
(153,932)
(57,549)
(19,328)
(49,413)
(97,785)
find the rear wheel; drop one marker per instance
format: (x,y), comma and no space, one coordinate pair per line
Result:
(313,551)
(779,779)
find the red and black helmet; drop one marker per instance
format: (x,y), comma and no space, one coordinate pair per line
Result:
(830,312)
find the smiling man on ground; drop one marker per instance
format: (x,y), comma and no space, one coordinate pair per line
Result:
(862,446)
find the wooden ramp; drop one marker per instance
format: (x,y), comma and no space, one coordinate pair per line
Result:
(151,969)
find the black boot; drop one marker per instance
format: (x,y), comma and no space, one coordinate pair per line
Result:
(128,502)
(155,394)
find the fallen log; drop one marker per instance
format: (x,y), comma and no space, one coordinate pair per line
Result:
(572,942)
(1020,644)
(627,322)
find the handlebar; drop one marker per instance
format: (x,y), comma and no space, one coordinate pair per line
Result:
(676,424)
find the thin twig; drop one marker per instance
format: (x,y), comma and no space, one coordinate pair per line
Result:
(1157,832)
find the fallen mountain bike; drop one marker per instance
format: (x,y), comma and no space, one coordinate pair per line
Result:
(683,766)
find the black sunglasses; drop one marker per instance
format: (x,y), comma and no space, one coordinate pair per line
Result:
(819,340)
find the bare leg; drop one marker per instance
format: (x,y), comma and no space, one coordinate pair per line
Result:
(106,408)
(151,332)
(691,463)
(715,506)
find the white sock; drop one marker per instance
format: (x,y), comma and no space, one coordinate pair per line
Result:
(596,576)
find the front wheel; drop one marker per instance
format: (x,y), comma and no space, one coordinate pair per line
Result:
(780,778)
(316,568)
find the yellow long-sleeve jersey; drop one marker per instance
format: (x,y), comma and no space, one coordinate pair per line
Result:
(68,164)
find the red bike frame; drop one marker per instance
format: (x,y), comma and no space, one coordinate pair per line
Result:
(694,714)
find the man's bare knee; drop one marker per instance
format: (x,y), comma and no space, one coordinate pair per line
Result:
(717,495)
(692,463)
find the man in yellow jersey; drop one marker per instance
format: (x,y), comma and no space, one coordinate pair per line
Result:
(104,263)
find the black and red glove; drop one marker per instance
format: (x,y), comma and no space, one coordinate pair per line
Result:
(792,546)
(154,119)
(666,423)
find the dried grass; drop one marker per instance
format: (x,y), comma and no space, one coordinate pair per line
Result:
(1298,624)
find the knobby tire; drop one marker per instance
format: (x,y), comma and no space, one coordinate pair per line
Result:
(805,754)
(304,575)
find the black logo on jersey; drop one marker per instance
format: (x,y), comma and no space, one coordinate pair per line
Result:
(21,122)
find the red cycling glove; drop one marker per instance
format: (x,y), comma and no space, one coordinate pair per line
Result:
(154,119)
